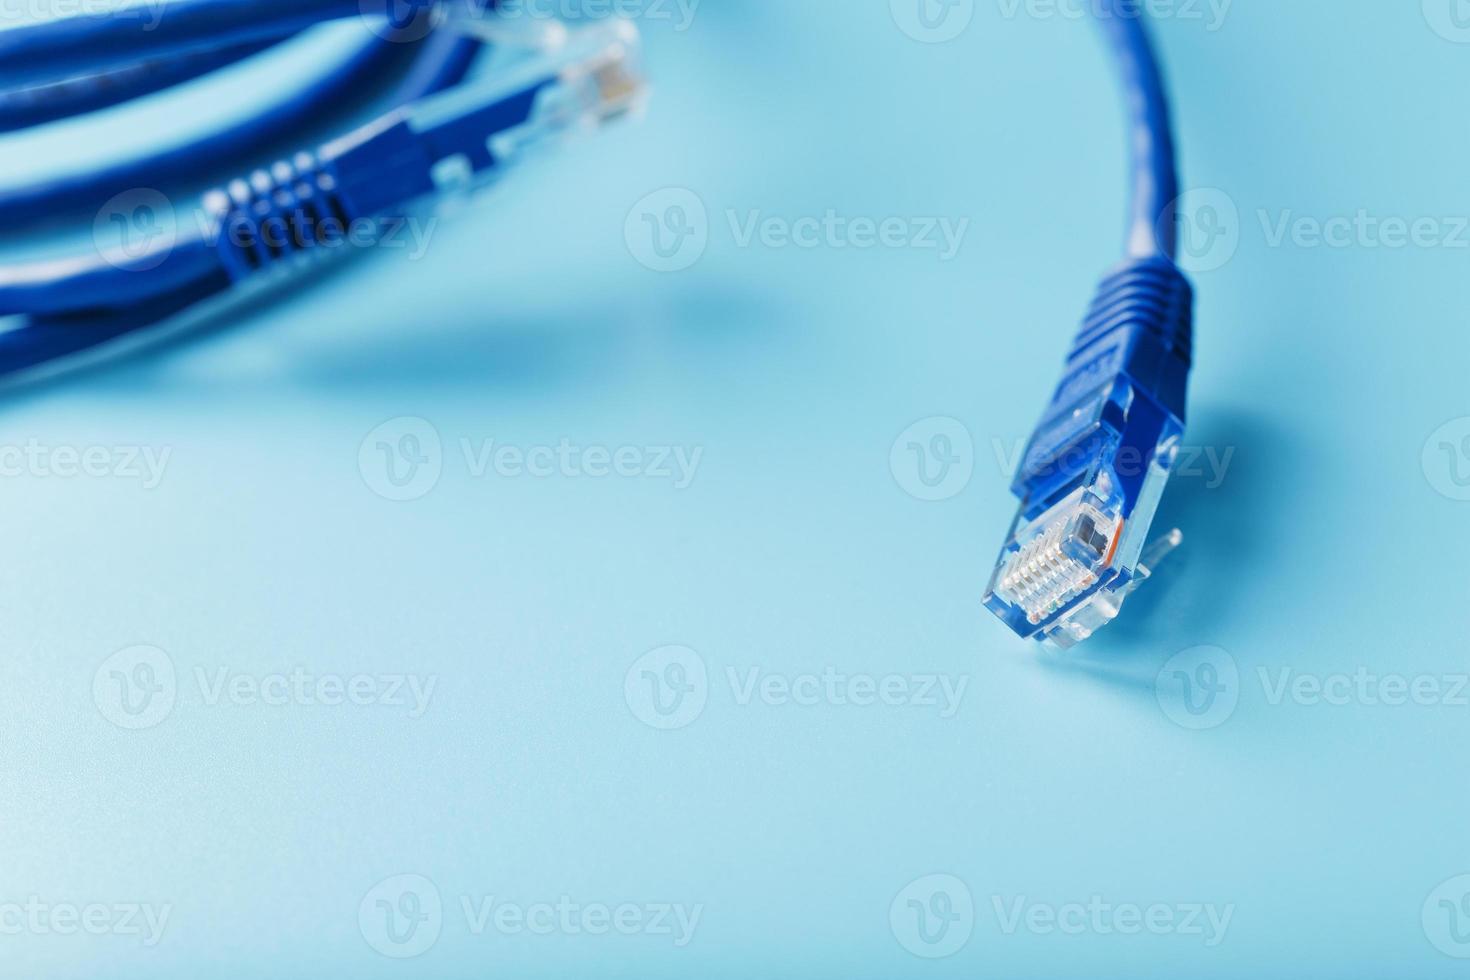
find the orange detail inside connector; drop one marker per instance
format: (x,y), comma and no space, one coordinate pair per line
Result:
(1117,537)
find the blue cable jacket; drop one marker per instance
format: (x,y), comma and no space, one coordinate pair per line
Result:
(439,62)
(88,190)
(69,46)
(38,104)
(56,296)
(39,340)
(1155,182)
(90,282)
(1109,435)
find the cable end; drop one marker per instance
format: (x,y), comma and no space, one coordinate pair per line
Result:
(1097,465)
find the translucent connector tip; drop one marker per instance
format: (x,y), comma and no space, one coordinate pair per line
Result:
(1066,572)
(487,23)
(598,77)
(473,130)
(607,58)
(1058,557)
(1098,461)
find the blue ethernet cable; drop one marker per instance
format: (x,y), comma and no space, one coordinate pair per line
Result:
(439,62)
(33,105)
(87,42)
(1097,463)
(442,134)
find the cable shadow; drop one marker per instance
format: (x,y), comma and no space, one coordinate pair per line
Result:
(547,349)
(461,348)
(1230,515)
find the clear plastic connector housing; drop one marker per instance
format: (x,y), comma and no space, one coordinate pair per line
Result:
(1058,556)
(1064,573)
(499,27)
(599,77)
(582,78)
(599,80)
(1097,463)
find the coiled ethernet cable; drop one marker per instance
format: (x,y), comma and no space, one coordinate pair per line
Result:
(443,131)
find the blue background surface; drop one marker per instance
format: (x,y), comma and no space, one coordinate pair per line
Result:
(1332,546)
